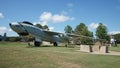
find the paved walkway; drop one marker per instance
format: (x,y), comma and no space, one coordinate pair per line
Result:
(110,53)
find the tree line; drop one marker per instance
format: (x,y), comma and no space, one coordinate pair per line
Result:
(101,33)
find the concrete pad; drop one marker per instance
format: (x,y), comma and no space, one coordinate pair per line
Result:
(86,48)
(103,49)
(96,48)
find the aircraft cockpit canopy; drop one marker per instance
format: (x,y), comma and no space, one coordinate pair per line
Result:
(26,22)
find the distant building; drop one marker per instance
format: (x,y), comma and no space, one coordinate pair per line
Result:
(4,37)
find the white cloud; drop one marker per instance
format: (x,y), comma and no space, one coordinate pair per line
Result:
(43,23)
(34,23)
(70,5)
(46,17)
(70,10)
(64,12)
(3,30)
(60,18)
(10,30)
(14,22)
(51,28)
(113,32)
(93,26)
(1,15)
(72,18)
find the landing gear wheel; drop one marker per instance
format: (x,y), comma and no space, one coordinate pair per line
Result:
(55,44)
(37,44)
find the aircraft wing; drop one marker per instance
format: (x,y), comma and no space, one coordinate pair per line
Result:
(79,36)
(51,32)
(72,35)
(67,34)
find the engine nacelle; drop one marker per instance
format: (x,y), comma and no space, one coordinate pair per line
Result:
(61,35)
(64,36)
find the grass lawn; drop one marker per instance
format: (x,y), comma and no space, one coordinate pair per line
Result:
(115,48)
(19,55)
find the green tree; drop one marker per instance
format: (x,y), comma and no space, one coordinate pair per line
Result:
(13,39)
(68,29)
(82,29)
(39,25)
(101,31)
(117,37)
(79,28)
(45,27)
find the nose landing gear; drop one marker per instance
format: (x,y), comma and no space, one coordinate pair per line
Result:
(55,44)
(37,43)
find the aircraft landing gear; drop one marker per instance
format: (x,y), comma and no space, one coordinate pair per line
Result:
(37,44)
(55,44)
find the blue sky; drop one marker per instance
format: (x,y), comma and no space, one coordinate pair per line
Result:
(59,13)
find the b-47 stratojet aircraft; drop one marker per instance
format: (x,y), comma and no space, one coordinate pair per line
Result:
(25,28)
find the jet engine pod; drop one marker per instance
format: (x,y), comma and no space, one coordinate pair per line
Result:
(61,35)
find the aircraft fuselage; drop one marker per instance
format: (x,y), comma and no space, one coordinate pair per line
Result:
(25,29)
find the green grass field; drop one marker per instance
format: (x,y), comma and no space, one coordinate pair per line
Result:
(19,55)
(115,48)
